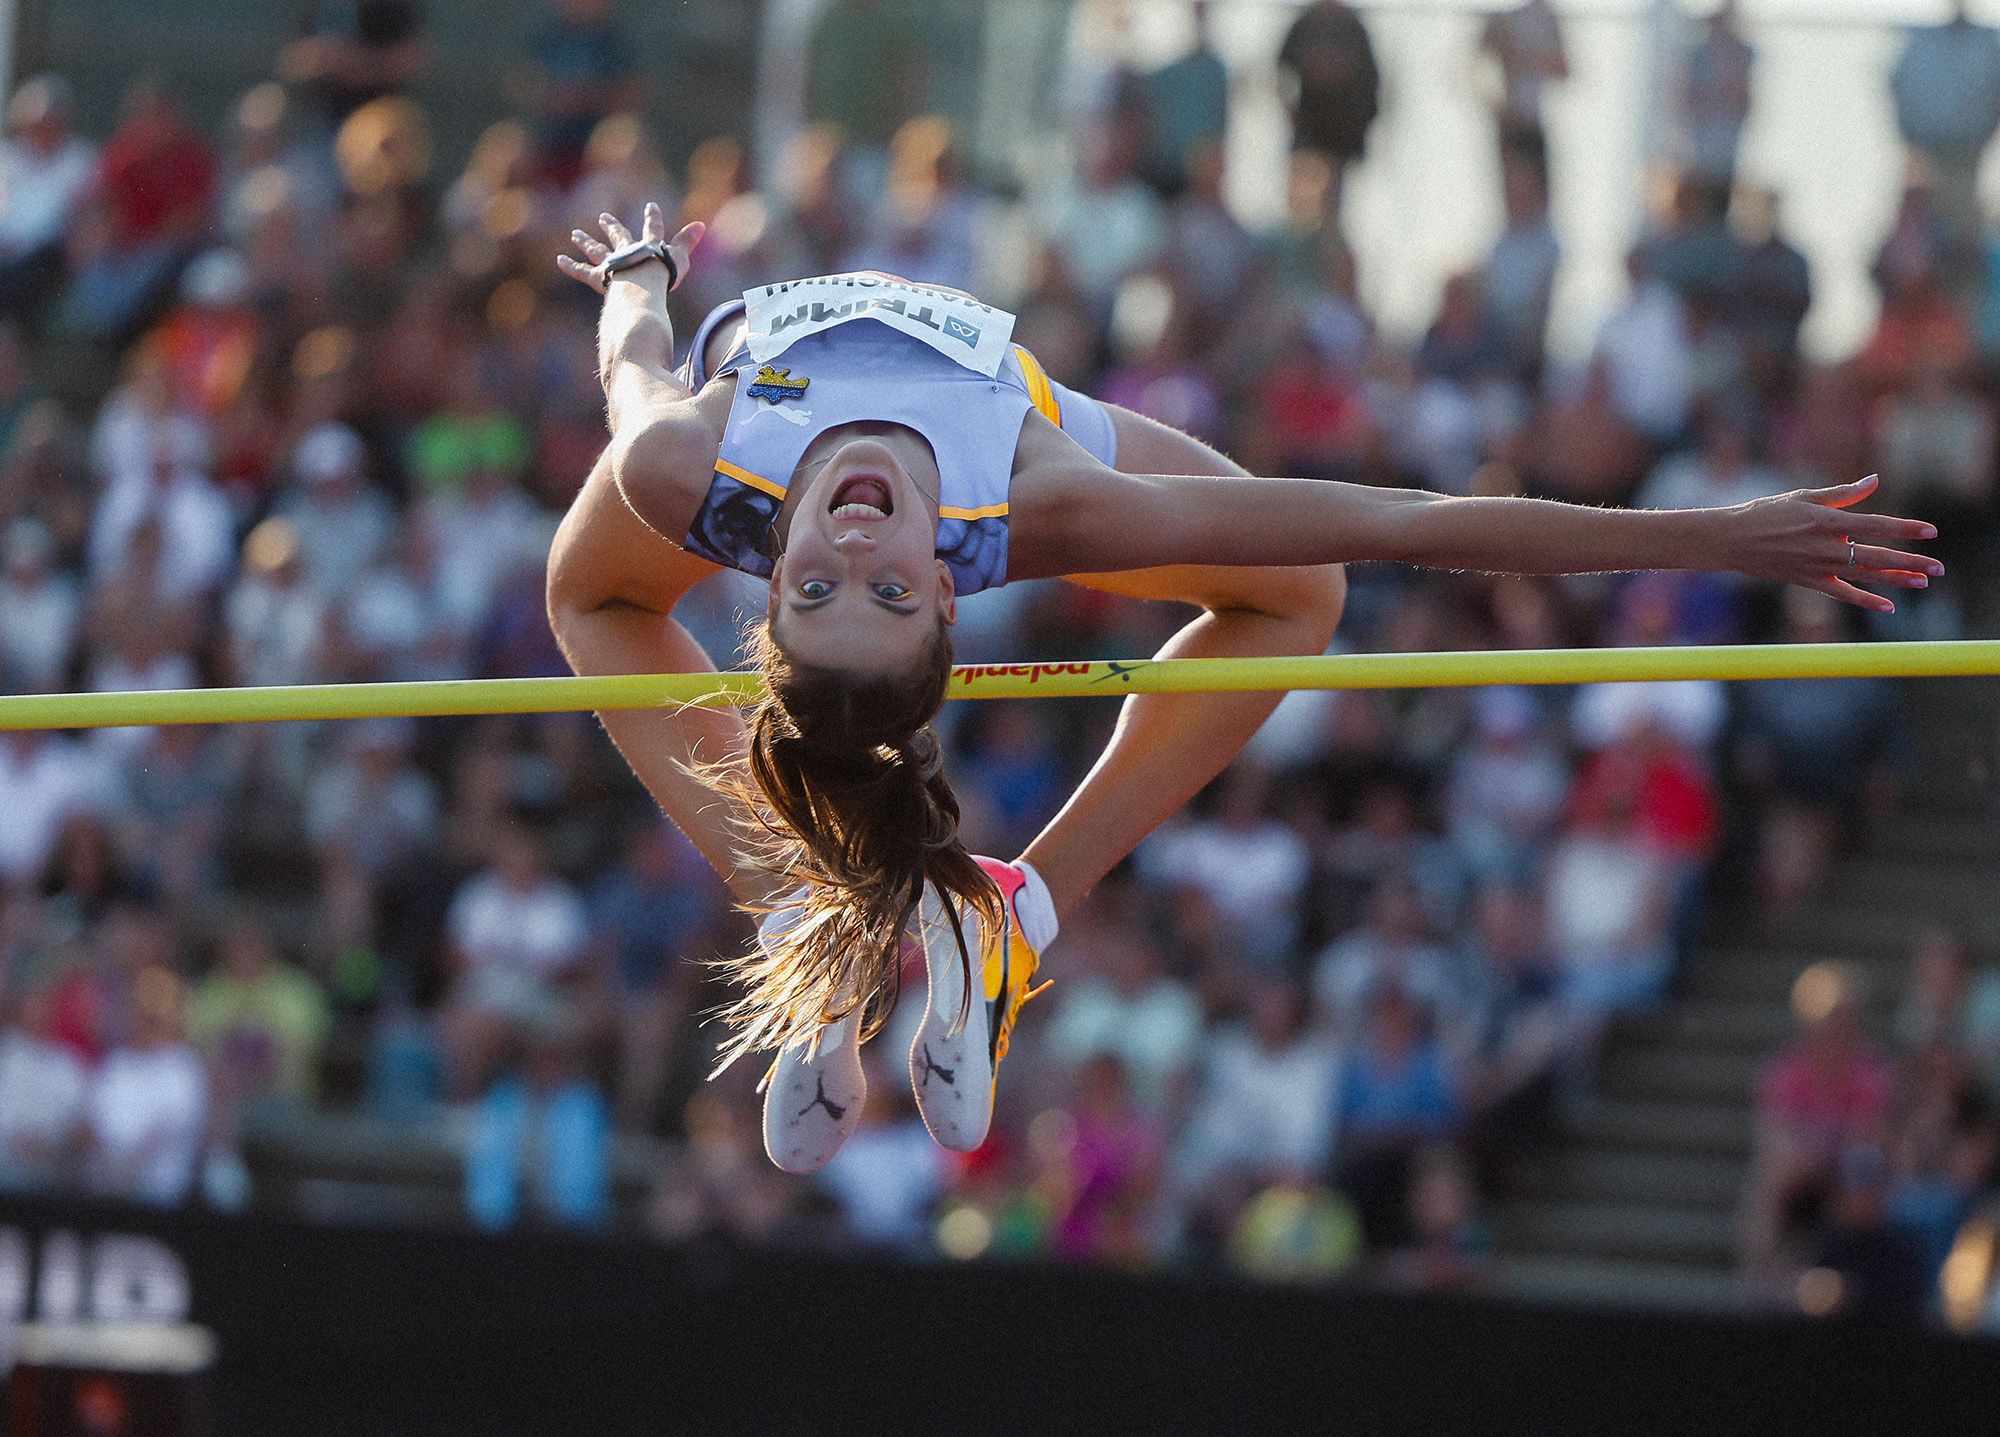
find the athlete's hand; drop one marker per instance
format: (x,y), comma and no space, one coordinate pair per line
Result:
(1808,538)
(653,277)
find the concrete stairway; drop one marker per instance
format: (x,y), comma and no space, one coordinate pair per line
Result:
(1635,1200)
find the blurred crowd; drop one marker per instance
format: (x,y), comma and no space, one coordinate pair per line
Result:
(293,402)
(1871,1184)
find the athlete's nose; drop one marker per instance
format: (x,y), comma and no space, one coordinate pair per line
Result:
(853,539)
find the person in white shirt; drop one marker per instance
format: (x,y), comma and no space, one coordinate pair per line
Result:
(44,778)
(276,623)
(514,933)
(45,170)
(175,518)
(345,522)
(1127,1008)
(399,621)
(1252,867)
(1647,356)
(39,610)
(1266,1105)
(42,1091)
(1722,471)
(149,1102)
(1392,946)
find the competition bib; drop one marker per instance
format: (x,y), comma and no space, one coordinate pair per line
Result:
(962,329)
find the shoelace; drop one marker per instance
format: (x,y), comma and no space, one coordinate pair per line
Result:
(1014,1012)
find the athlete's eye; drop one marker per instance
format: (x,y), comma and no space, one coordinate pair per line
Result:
(815,589)
(894,593)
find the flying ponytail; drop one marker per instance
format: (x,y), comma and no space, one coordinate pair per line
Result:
(845,794)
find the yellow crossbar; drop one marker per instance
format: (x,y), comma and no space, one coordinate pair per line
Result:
(1091,678)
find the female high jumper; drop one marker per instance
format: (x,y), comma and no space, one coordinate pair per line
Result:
(876,448)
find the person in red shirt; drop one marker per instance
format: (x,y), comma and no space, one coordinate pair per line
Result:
(1824,1096)
(153,203)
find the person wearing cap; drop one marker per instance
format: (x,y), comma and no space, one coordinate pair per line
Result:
(349,522)
(210,339)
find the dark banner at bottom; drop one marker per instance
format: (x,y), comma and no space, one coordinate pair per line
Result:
(359,1331)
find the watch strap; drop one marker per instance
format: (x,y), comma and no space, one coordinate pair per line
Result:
(639,252)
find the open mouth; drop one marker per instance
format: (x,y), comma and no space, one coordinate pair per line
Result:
(861,498)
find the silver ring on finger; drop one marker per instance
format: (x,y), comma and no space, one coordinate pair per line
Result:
(1852,561)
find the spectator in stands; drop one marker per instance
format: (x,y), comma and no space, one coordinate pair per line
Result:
(46,171)
(1450,1248)
(1395,1097)
(152,207)
(1105,224)
(1520,272)
(259,1022)
(331,500)
(1863,1265)
(1100,1168)
(928,224)
(1525,42)
(1818,754)
(1935,440)
(1610,900)
(1123,1005)
(164,537)
(43,1091)
(1188,107)
(581,66)
(149,1101)
(275,621)
(1018,772)
(353,51)
(1825,1096)
(173,818)
(889,1175)
(1946,88)
(1721,470)
(1296,1232)
(515,933)
(1715,98)
(40,610)
(44,778)
(1953,1003)
(1511,1044)
(1335,87)
(1507,785)
(1252,867)
(541,1138)
(1775,293)
(1264,1109)
(1392,947)
(399,622)
(651,917)
(1647,356)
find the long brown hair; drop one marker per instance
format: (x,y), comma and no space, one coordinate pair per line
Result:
(845,794)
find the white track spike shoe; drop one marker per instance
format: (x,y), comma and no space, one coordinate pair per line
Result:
(953,1064)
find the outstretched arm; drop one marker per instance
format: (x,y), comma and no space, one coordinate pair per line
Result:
(635,338)
(1087,519)
(614,578)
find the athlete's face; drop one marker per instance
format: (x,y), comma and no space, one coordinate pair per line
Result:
(859,585)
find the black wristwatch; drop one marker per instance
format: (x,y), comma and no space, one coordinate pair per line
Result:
(639,252)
